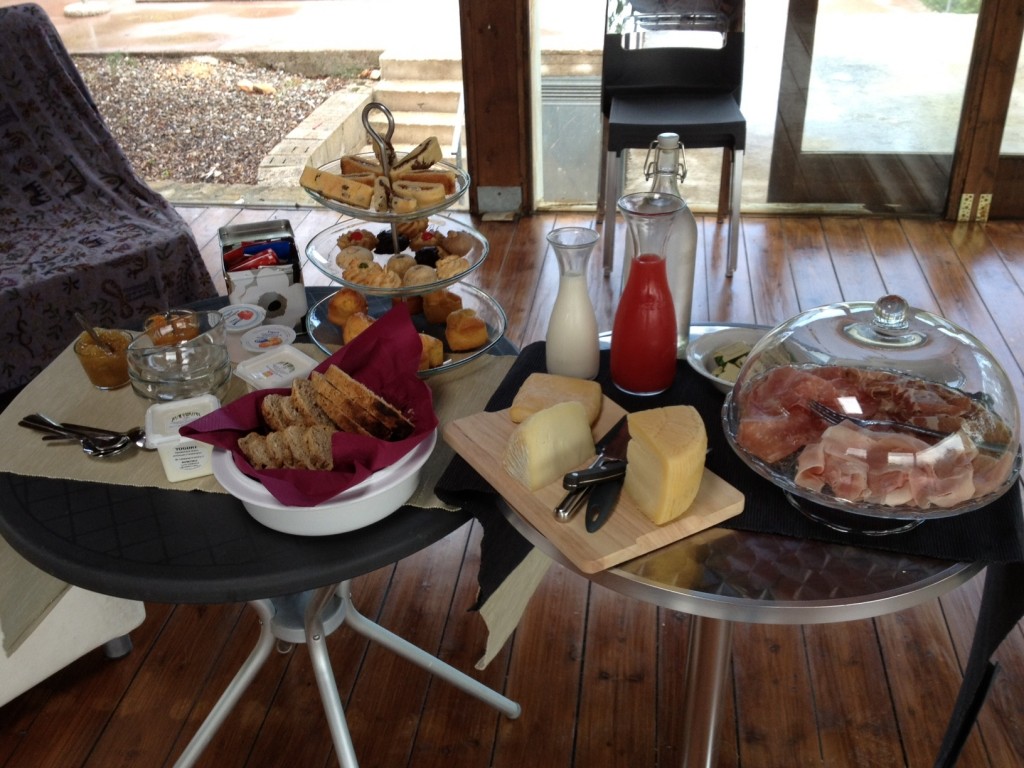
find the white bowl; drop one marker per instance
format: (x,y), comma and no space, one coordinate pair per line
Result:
(377,497)
(700,352)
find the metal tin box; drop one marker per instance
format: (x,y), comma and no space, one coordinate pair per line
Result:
(276,286)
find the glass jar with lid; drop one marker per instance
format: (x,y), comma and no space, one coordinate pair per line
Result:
(877,410)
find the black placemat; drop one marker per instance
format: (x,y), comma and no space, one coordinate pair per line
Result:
(994,533)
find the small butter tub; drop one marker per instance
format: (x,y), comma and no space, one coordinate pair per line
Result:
(276,368)
(267,337)
(182,457)
(239,319)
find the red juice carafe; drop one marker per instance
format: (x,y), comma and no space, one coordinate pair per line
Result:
(643,348)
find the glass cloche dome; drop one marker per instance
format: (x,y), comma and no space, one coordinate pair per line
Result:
(879,410)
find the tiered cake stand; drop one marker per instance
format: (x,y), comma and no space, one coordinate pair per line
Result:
(323,251)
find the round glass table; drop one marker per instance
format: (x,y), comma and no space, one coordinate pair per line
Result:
(721,576)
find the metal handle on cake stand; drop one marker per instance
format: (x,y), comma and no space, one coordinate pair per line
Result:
(385,151)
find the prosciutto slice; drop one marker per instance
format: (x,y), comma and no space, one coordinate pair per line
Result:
(891,468)
(862,466)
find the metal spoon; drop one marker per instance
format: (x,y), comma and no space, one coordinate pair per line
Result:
(87,326)
(136,434)
(98,445)
(92,449)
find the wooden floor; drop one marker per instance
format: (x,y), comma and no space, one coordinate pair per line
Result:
(598,675)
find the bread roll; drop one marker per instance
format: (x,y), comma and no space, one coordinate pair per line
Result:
(465,331)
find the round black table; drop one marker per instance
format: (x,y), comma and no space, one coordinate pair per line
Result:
(171,546)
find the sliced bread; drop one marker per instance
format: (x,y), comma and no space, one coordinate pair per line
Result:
(372,412)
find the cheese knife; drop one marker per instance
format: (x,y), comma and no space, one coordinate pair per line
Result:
(604,495)
(577,492)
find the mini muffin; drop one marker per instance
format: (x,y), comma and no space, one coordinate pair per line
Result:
(465,331)
(356,324)
(343,304)
(433,352)
(439,304)
(419,275)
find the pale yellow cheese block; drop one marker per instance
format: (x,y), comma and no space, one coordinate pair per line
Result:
(542,390)
(666,460)
(548,444)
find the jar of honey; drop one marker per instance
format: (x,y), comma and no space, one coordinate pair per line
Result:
(106,368)
(172,327)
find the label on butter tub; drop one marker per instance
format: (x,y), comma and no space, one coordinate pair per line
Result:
(277,368)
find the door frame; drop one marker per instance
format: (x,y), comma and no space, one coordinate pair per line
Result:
(982,184)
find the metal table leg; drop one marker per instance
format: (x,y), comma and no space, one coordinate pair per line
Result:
(310,617)
(707,666)
(257,658)
(1002,606)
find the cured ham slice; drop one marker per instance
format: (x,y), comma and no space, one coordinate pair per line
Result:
(885,467)
(859,465)
(776,420)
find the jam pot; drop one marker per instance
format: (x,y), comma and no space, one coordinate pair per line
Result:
(876,410)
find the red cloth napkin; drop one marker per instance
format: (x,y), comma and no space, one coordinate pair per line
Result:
(385,358)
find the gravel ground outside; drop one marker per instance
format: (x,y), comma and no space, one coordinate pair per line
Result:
(200,119)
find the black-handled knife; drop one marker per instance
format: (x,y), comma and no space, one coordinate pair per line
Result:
(566,508)
(602,502)
(604,495)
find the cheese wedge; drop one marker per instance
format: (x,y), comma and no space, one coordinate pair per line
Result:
(335,187)
(549,444)
(542,390)
(666,460)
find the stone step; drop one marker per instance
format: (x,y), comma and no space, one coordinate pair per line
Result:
(419,95)
(403,65)
(413,127)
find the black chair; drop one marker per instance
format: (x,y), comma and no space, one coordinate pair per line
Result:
(694,92)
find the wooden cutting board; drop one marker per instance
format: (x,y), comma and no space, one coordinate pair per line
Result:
(481,439)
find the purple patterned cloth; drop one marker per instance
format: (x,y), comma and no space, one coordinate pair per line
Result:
(79,230)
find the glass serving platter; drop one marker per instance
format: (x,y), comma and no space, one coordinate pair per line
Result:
(327,336)
(461,185)
(324,249)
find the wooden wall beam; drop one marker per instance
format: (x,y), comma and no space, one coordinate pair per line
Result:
(496,83)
